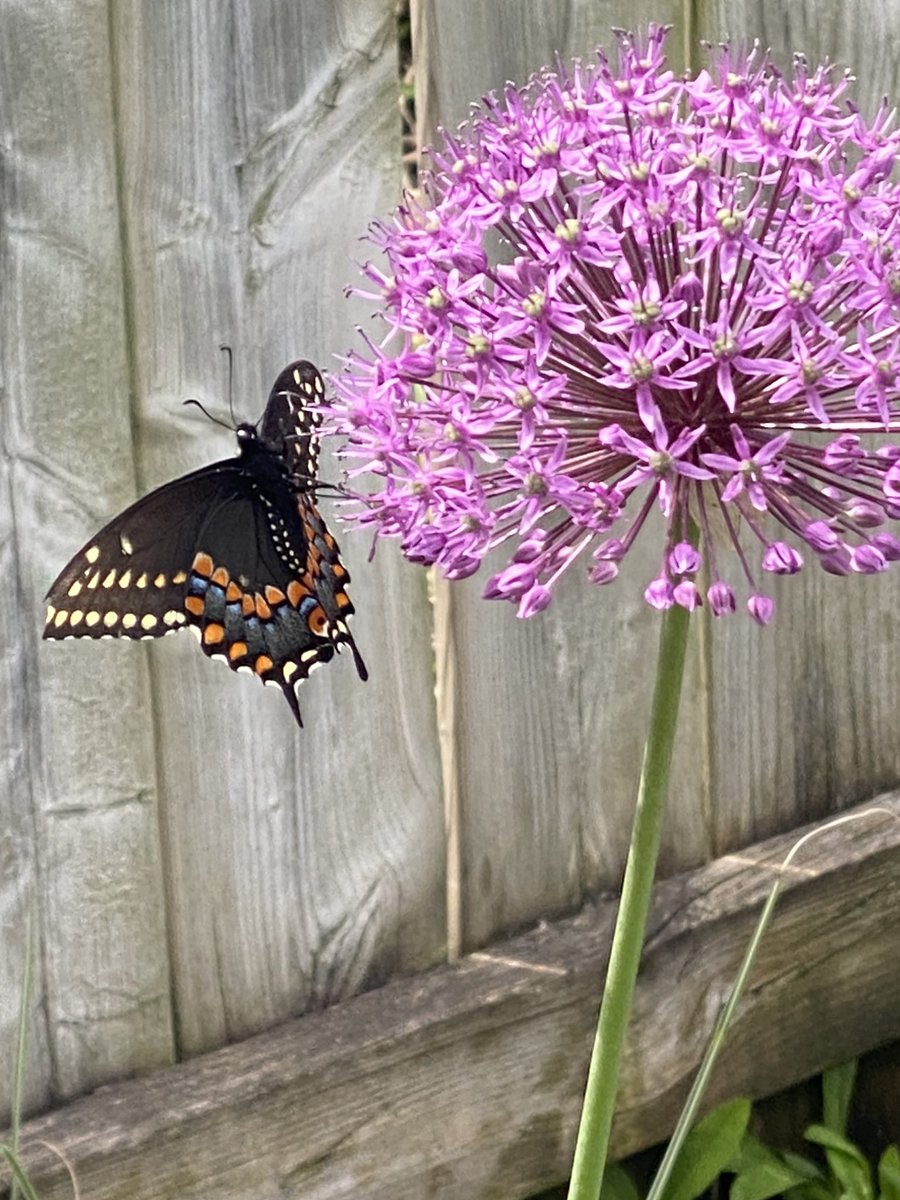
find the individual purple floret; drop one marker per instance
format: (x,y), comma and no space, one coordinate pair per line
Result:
(624,291)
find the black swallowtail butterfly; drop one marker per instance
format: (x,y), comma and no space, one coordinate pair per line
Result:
(236,551)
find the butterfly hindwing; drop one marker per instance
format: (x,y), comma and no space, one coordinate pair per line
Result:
(237,551)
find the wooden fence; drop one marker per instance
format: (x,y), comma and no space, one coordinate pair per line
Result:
(175,175)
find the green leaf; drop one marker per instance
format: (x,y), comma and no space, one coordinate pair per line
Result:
(889,1174)
(846,1163)
(837,1092)
(765,1180)
(708,1149)
(18,1172)
(813,1189)
(618,1184)
(750,1153)
(803,1166)
(761,1172)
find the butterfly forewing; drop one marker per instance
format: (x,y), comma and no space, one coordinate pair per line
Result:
(129,579)
(237,551)
(292,418)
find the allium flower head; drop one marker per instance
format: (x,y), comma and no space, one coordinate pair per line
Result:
(624,291)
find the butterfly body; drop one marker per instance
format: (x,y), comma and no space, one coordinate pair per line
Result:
(236,551)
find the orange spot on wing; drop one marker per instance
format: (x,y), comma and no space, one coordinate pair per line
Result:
(237,650)
(296,591)
(194,605)
(248,607)
(339,571)
(274,595)
(221,577)
(213,634)
(317,620)
(233,592)
(203,565)
(263,664)
(262,609)
(342,599)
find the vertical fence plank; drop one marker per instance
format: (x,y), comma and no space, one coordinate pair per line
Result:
(551,711)
(258,140)
(88,764)
(804,713)
(778,725)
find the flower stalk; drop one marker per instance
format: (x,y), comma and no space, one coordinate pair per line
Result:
(623,290)
(640,870)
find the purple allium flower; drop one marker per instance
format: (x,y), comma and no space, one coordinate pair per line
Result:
(625,290)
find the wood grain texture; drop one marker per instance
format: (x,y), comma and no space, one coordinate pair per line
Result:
(176,176)
(258,141)
(464,1084)
(816,721)
(547,784)
(778,725)
(79,781)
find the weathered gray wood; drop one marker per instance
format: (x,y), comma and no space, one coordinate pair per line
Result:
(778,725)
(817,719)
(175,176)
(258,142)
(19,894)
(80,785)
(465,1083)
(547,784)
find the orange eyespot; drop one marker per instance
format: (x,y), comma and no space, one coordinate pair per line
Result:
(317,621)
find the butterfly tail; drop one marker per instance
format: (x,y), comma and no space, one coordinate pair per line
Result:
(290,694)
(361,670)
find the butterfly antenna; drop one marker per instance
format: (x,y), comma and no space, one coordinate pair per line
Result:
(226,349)
(208,414)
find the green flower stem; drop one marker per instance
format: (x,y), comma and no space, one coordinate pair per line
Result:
(625,955)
